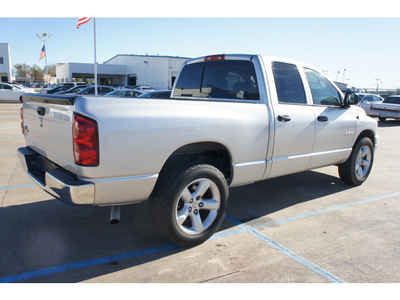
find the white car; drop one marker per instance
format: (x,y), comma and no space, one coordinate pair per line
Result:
(388,108)
(366,100)
(13,92)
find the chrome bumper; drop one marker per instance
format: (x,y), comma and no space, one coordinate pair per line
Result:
(55,180)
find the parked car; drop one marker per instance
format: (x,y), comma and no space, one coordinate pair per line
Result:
(61,87)
(13,92)
(388,108)
(101,90)
(75,89)
(163,94)
(365,101)
(125,93)
(123,87)
(144,88)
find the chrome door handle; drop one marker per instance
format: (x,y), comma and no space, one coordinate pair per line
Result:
(284,118)
(322,118)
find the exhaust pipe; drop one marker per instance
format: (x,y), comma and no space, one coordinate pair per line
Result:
(115,214)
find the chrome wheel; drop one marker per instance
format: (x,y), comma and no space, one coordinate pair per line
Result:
(197,206)
(363,162)
(355,170)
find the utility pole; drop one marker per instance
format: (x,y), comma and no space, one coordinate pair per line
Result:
(43,37)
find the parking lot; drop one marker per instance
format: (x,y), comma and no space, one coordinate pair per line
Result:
(302,228)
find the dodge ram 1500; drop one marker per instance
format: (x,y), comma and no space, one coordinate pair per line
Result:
(231,120)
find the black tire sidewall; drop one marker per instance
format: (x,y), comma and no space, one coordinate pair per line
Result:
(352,166)
(176,184)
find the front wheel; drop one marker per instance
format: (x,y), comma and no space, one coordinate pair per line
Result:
(358,166)
(189,204)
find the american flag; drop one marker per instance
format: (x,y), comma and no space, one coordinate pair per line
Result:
(42,53)
(82,21)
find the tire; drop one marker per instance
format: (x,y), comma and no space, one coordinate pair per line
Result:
(382,119)
(357,167)
(189,203)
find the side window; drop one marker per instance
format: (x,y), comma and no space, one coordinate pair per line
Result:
(376,98)
(367,98)
(228,79)
(323,92)
(288,83)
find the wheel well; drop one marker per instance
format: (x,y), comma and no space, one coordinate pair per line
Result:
(367,133)
(203,153)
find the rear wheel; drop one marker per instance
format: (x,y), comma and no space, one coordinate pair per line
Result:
(189,204)
(358,166)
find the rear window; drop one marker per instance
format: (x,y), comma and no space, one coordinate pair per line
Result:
(228,79)
(393,100)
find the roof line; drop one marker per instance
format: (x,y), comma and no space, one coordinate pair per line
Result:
(164,56)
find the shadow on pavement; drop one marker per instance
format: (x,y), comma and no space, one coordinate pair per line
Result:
(50,233)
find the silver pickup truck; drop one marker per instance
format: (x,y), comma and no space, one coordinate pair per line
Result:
(231,120)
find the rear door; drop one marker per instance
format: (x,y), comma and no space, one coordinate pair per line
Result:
(294,122)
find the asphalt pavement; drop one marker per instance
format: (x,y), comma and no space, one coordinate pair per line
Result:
(303,228)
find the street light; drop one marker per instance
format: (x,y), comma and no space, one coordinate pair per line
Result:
(43,37)
(377,85)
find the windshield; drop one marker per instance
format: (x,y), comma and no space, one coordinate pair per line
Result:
(113,93)
(86,90)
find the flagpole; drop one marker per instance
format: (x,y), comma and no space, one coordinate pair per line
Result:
(95,60)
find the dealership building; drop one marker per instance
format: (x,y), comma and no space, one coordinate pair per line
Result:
(156,71)
(5,63)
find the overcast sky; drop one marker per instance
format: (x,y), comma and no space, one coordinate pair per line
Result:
(362,47)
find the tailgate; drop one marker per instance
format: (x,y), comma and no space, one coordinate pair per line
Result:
(48,126)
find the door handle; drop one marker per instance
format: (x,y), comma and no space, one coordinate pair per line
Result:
(322,118)
(284,118)
(41,111)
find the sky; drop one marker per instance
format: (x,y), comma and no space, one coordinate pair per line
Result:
(360,48)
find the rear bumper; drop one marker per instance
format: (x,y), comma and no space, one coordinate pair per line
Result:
(55,180)
(66,186)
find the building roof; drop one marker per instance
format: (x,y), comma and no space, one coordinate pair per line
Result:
(160,56)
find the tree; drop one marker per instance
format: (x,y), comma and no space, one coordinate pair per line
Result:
(21,69)
(36,72)
(52,70)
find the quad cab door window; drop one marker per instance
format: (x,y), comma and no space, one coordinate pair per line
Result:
(323,92)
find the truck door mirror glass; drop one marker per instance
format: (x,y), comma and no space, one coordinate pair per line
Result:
(350,98)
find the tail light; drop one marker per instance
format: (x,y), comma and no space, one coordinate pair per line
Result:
(85,141)
(21,113)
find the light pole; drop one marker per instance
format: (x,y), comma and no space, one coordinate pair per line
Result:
(337,74)
(43,37)
(377,85)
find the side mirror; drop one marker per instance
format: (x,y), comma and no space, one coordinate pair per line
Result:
(350,98)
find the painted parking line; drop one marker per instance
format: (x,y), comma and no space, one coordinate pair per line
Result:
(241,228)
(325,210)
(306,263)
(12,137)
(10,154)
(16,186)
(86,263)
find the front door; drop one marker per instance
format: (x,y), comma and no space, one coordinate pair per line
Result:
(335,125)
